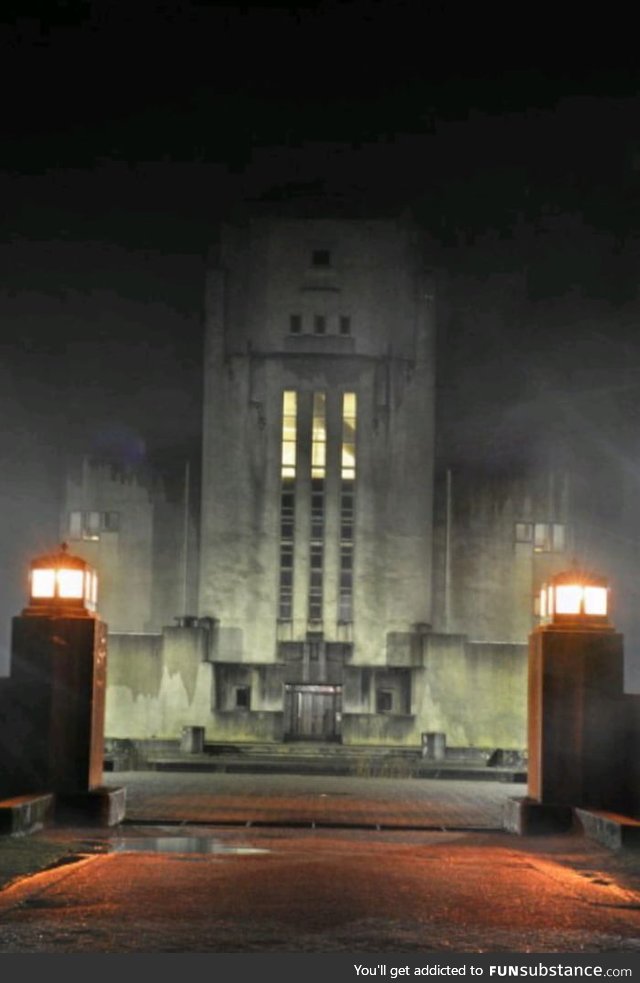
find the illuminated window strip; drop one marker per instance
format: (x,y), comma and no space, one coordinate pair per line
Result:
(318,474)
(347,509)
(287,502)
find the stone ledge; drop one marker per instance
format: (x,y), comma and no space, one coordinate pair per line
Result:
(100,806)
(528,817)
(26,813)
(610,828)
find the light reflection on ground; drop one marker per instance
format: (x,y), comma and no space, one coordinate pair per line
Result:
(179,844)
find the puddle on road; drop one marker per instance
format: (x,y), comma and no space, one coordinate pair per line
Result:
(179,844)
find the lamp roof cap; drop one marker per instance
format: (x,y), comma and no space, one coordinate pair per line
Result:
(60,558)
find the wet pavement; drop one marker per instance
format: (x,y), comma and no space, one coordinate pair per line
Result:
(265,864)
(307,800)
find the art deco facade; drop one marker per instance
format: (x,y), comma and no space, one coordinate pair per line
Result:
(337,588)
(316,528)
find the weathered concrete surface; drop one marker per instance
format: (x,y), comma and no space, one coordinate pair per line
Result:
(26,813)
(610,829)
(207,888)
(284,891)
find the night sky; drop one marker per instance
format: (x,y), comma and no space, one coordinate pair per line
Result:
(129,129)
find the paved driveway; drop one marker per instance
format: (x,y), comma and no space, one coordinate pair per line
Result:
(372,803)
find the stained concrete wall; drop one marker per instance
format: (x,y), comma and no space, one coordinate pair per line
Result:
(485,580)
(146,568)
(474,693)
(158,684)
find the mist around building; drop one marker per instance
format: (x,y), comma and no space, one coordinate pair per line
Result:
(349,544)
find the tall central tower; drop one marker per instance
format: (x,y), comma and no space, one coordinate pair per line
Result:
(316,537)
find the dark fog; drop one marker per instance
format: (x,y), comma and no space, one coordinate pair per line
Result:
(130,134)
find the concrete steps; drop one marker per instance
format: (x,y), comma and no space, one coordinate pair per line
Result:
(311,758)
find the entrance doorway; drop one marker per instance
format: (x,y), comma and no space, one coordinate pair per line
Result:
(313,712)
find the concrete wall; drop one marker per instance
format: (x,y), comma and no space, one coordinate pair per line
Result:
(486,581)
(474,693)
(147,566)
(158,684)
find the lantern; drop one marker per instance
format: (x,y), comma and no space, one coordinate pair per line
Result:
(62,585)
(576,600)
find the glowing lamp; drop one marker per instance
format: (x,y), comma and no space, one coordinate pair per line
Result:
(62,585)
(575,600)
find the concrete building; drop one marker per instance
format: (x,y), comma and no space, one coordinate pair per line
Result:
(346,589)
(316,531)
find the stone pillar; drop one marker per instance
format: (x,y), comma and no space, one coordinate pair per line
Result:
(581,730)
(52,718)
(577,719)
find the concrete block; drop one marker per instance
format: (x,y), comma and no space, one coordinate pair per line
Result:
(25,813)
(100,806)
(528,817)
(192,740)
(610,828)
(434,745)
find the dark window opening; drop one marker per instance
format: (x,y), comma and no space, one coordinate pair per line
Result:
(243,697)
(384,700)
(345,324)
(320,324)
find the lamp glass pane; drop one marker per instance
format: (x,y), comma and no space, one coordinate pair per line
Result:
(70,583)
(43,583)
(568,598)
(595,600)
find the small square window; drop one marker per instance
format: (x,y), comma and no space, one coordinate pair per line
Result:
(295,323)
(384,700)
(111,521)
(321,257)
(345,324)
(243,697)
(92,523)
(75,525)
(558,536)
(320,324)
(524,532)
(542,537)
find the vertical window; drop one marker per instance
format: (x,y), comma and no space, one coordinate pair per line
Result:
(289,414)
(318,473)
(320,324)
(319,436)
(347,507)
(287,503)
(349,436)
(295,323)
(345,324)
